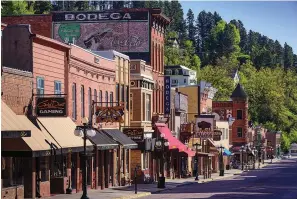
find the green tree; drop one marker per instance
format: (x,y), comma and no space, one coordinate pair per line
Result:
(191,26)
(16,8)
(288,56)
(42,7)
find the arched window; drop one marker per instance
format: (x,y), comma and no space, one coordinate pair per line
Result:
(106,98)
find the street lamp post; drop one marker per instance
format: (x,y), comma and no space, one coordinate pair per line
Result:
(278,150)
(196,148)
(271,149)
(221,161)
(84,131)
(242,150)
(160,144)
(254,154)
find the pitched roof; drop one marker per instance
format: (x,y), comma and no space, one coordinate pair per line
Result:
(239,92)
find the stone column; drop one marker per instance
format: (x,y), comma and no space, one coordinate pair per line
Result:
(119,166)
(124,166)
(102,169)
(114,168)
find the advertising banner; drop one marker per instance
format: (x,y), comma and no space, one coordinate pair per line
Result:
(51,107)
(167,95)
(121,36)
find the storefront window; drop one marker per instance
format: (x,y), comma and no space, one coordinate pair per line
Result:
(44,168)
(145,160)
(127,161)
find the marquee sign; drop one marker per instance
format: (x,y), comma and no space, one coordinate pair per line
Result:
(51,107)
(136,134)
(109,114)
(167,95)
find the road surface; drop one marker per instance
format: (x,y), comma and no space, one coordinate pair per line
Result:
(276,181)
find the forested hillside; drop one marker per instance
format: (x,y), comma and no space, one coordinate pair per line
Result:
(216,48)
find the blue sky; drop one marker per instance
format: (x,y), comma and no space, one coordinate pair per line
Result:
(277,20)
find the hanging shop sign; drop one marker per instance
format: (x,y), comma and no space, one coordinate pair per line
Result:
(167,94)
(217,135)
(159,119)
(109,114)
(51,107)
(15,134)
(135,134)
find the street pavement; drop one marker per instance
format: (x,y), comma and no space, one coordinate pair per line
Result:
(275,181)
(234,184)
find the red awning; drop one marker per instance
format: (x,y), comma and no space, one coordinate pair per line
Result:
(174,143)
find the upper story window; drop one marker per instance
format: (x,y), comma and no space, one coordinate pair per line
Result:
(176,72)
(58,87)
(122,93)
(106,98)
(111,98)
(40,85)
(117,93)
(174,81)
(239,114)
(148,107)
(90,102)
(100,98)
(74,101)
(82,101)
(168,72)
(95,95)
(239,132)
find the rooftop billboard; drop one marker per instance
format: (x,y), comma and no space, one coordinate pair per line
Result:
(120,31)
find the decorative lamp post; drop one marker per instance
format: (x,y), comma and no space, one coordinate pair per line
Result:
(278,150)
(84,131)
(160,144)
(242,150)
(254,154)
(271,149)
(221,161)
(197,147)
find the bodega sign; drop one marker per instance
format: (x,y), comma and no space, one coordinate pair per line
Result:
(99,16)
(167,94)
(51,107)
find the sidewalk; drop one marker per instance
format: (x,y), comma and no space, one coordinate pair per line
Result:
(127,192)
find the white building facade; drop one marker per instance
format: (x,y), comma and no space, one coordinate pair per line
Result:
(181,75)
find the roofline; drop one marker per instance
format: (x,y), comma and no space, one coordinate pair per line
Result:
(116,53)
(27,15)
(91,52)
(51,41)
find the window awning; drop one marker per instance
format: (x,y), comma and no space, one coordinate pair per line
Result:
(35,145)
(62,130)
(174,143)
(103,141)
(121,138)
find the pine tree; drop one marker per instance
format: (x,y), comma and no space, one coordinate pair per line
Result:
(191,26)
(288,56)
(42,7)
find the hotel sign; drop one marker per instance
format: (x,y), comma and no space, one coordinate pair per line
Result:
(135,134)
(167,95)
(51,107)
(99,16)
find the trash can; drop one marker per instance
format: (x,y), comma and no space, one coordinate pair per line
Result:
(161,182)
(227,167)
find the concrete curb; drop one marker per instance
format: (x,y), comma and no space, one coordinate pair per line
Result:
(139,195)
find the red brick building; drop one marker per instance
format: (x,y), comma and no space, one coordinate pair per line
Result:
(238,110)
(154,55)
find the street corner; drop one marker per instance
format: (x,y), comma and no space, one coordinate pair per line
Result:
(139,195)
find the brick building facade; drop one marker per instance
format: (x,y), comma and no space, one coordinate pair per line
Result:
(237,109)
